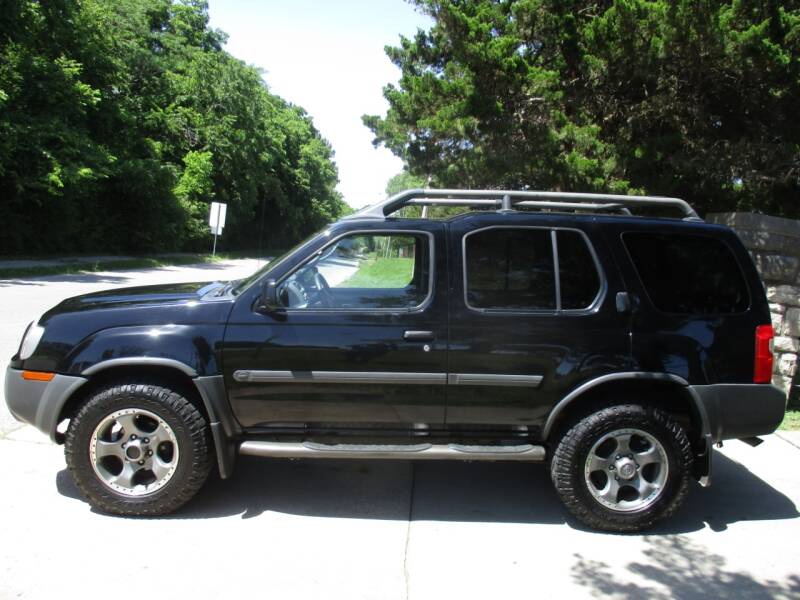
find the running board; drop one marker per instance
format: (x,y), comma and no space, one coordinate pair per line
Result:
(525,452)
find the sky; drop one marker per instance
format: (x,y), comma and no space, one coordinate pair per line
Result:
(327,56)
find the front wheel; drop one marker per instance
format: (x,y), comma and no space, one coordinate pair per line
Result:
(138,449)
(623,468)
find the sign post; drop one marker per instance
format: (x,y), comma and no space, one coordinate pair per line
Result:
(216,220)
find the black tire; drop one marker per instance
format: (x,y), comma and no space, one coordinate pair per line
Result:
(187,424)
(571,454)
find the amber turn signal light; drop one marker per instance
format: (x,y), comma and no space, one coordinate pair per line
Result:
(37,375)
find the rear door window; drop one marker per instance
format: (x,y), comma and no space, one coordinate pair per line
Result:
(510,269)
(688,274)
(515,269)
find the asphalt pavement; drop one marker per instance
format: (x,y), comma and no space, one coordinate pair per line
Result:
(380,529)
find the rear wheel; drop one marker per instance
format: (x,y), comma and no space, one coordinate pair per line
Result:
(138,449)
(623,468)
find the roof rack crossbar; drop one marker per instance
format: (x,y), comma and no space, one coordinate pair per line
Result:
(506,199)
(452,202)
(589,206)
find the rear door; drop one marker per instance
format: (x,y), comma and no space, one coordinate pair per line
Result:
(360,341)
(532,315)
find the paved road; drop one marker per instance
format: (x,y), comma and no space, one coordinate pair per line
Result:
(23,300)
(337,270)
(396,530)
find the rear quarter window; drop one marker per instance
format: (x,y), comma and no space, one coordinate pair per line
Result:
(688,274)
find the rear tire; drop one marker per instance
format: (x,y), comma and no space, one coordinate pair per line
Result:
(623,468)
(138,449)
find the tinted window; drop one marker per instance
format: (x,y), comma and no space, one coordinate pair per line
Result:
(510,269)
(362,271)
(579,280)
(688,273)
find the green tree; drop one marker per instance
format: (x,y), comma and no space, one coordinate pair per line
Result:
(696,99)
(404,181)
(120,121)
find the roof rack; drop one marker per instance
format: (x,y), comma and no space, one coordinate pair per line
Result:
(507,200)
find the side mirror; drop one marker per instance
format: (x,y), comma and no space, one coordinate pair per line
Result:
(268,302)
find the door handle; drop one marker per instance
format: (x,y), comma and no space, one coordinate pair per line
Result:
(419,336)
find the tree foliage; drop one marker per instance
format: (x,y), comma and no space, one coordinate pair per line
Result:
(676,97)
(403,181)
(120,121)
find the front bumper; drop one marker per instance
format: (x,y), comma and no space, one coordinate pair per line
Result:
(39,403)
(735,411)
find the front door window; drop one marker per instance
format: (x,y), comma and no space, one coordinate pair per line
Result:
(362,271)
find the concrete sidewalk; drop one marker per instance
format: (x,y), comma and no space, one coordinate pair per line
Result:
(381,530)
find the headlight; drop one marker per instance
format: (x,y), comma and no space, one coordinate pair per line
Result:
(31,338)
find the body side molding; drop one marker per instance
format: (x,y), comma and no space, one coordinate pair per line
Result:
(489,379)
(494,380)
(339,377)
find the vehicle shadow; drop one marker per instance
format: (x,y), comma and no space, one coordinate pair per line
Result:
(449,491)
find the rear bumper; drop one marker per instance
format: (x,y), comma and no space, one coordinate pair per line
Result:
(740,410)
(39,403)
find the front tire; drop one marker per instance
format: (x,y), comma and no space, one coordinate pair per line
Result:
(138,449)
(623,468)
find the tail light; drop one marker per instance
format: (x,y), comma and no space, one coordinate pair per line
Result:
(762,369)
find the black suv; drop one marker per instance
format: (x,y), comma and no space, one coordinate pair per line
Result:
(535,326)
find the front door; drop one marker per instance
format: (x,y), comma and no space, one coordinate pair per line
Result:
(360,340)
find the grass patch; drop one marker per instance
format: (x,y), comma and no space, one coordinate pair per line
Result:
(791,422)
(384,273)
(143,262)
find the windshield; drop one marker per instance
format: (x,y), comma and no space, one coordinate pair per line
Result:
(243,284)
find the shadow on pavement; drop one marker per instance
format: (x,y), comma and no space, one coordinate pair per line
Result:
(735,495)
(682,569)
(449,491)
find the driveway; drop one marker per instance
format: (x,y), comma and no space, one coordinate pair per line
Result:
(338,270)
(383,530)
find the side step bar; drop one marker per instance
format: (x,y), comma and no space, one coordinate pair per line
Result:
(525,452)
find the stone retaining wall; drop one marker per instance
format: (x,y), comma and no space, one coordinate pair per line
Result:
(774,244)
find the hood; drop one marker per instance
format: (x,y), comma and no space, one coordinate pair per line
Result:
(149,295)
(139,321)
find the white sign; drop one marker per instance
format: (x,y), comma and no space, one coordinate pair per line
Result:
(216,217)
